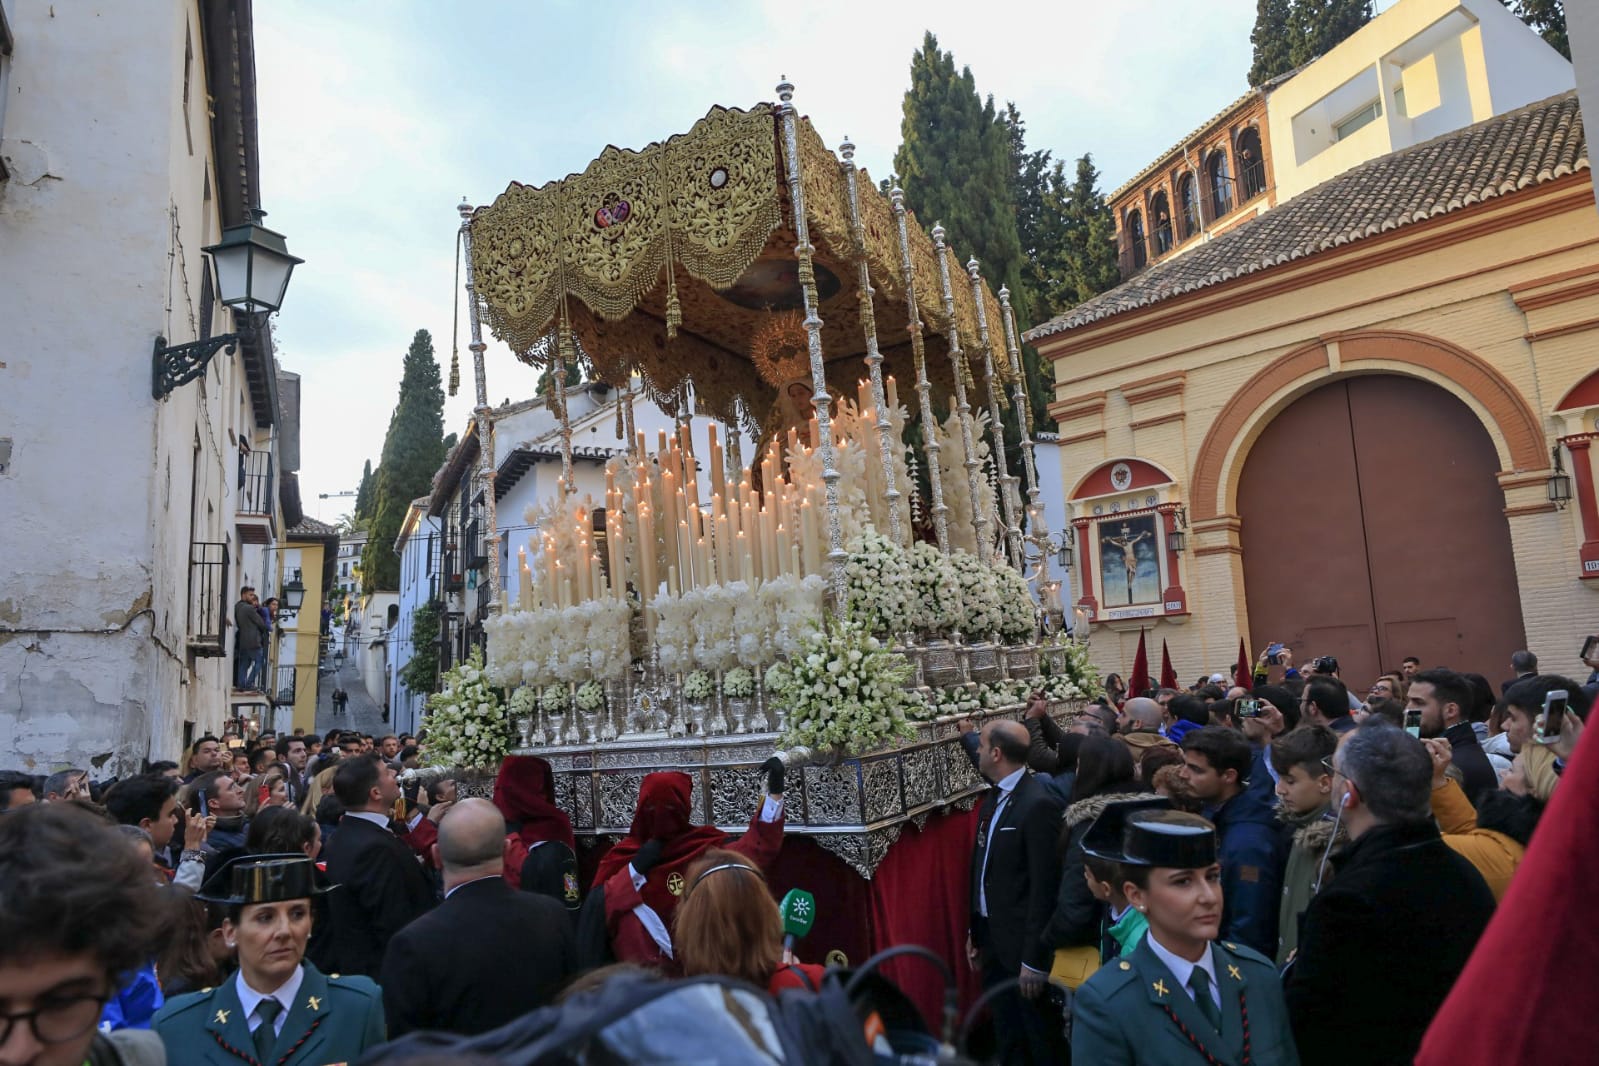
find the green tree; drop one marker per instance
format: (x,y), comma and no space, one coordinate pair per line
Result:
(413,451)
(1090,235)
(1040,232)
(954,162)
(421,672)
(1318,26)
(364,494)
(1273,40)
(1548,17)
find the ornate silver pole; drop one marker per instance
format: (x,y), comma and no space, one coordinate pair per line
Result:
(924,390)
(874,358)
(626,401)
(480,415)
(963,409)
(1007,483)
(563,345)
(1023,404)
(813,335)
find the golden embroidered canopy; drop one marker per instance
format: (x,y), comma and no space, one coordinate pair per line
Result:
(678,261)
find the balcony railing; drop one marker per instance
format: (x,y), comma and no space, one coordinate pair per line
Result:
(208,599)
(1253,178)
(454,579)
(283,690)
(483,596)
(255,483)
(477,555)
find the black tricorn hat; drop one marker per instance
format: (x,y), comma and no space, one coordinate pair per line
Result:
(262,879)
(1152,836)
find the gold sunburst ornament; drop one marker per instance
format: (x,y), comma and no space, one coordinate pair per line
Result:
(780,349)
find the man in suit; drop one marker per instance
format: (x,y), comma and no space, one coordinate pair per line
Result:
(382,888)
(1401,897)
(1015,876)
(1525,664)
(488,953)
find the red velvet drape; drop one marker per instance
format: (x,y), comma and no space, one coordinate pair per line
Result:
(843,908)
(921,895)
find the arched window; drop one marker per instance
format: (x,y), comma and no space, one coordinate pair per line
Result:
(1188,198)
(1160,214)
(1135,239)
(1221,184)
(1251,165)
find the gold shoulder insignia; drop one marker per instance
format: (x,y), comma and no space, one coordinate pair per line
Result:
(1160,987)
(314,1003)
(221,1017)
(1233,972)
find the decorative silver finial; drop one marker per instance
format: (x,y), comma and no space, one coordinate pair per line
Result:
(971,267)
(465,209)
(896,195)
(785,90)
(847,149)
(938,233)
(1004,293)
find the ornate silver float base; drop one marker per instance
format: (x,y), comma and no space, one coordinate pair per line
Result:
(855,808)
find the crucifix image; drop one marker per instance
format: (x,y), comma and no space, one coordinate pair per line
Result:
(1125,543)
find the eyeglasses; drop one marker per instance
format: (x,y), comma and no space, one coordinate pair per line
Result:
(58,1021)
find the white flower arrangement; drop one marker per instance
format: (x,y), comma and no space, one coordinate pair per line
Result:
(698,685)
(738,683)
(1018,620)
(555,699)
(590,696)
(982,611)
(845,690)
(466,725)
(589,641)
(1076,676)
(935,597)
(523,702)
(877,584)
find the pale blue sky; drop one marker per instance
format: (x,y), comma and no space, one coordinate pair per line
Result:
(377,117)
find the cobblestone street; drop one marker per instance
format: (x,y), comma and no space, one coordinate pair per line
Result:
(363,712)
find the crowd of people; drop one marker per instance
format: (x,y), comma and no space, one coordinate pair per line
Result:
(1184,876)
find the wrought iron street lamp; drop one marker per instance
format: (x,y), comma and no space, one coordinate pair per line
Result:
(294,593)
(253,266)
(1559,482)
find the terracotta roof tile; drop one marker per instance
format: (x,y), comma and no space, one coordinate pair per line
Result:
(1530,146)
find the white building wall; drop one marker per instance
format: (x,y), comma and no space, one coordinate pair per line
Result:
(416,586)
(101,223)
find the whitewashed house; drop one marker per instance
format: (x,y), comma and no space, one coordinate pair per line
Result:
(132,506)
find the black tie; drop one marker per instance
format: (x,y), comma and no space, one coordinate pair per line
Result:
(1199,981)
(266,1034)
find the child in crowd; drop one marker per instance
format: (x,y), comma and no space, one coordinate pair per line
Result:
(1303,761)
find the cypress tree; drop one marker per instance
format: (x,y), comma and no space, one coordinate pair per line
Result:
(1090,235)
(363,495)
(1272,39)
(954,162)
(1321,25)
(413,450)
(1548,17)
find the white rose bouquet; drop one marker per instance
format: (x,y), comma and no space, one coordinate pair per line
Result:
(982,612)
(935,597)
(466,724)
(555,699)
(698,686)
(590,696)
(877,585)
(845,690)
(738,683)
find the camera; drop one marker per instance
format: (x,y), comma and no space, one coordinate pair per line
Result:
(1324,664)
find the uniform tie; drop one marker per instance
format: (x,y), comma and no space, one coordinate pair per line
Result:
(266,1033)
(1199,981)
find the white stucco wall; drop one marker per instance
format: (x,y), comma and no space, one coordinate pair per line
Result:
(101,226)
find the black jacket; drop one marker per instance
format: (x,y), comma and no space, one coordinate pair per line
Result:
(381,891)
(486,955)
(1077,919)
(1477,773)
(1402,912)
(1022,877)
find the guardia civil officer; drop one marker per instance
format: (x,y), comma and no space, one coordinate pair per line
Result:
(278,1008)
(1180,998)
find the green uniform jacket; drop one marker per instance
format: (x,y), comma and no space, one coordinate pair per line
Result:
(333,1020)
(1133,1011)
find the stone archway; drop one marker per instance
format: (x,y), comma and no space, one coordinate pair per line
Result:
(1518,432)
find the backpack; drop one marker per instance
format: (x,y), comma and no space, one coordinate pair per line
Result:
(639,1018)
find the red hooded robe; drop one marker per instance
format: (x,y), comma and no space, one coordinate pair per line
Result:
(524,792)
(664,813)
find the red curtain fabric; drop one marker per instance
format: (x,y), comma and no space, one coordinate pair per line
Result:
(921,895)
(843,909)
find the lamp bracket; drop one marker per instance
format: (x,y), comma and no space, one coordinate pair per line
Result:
(182,363)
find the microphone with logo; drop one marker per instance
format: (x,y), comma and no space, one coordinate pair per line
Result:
(799,914)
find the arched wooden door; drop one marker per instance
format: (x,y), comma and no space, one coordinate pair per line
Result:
(1373,528)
